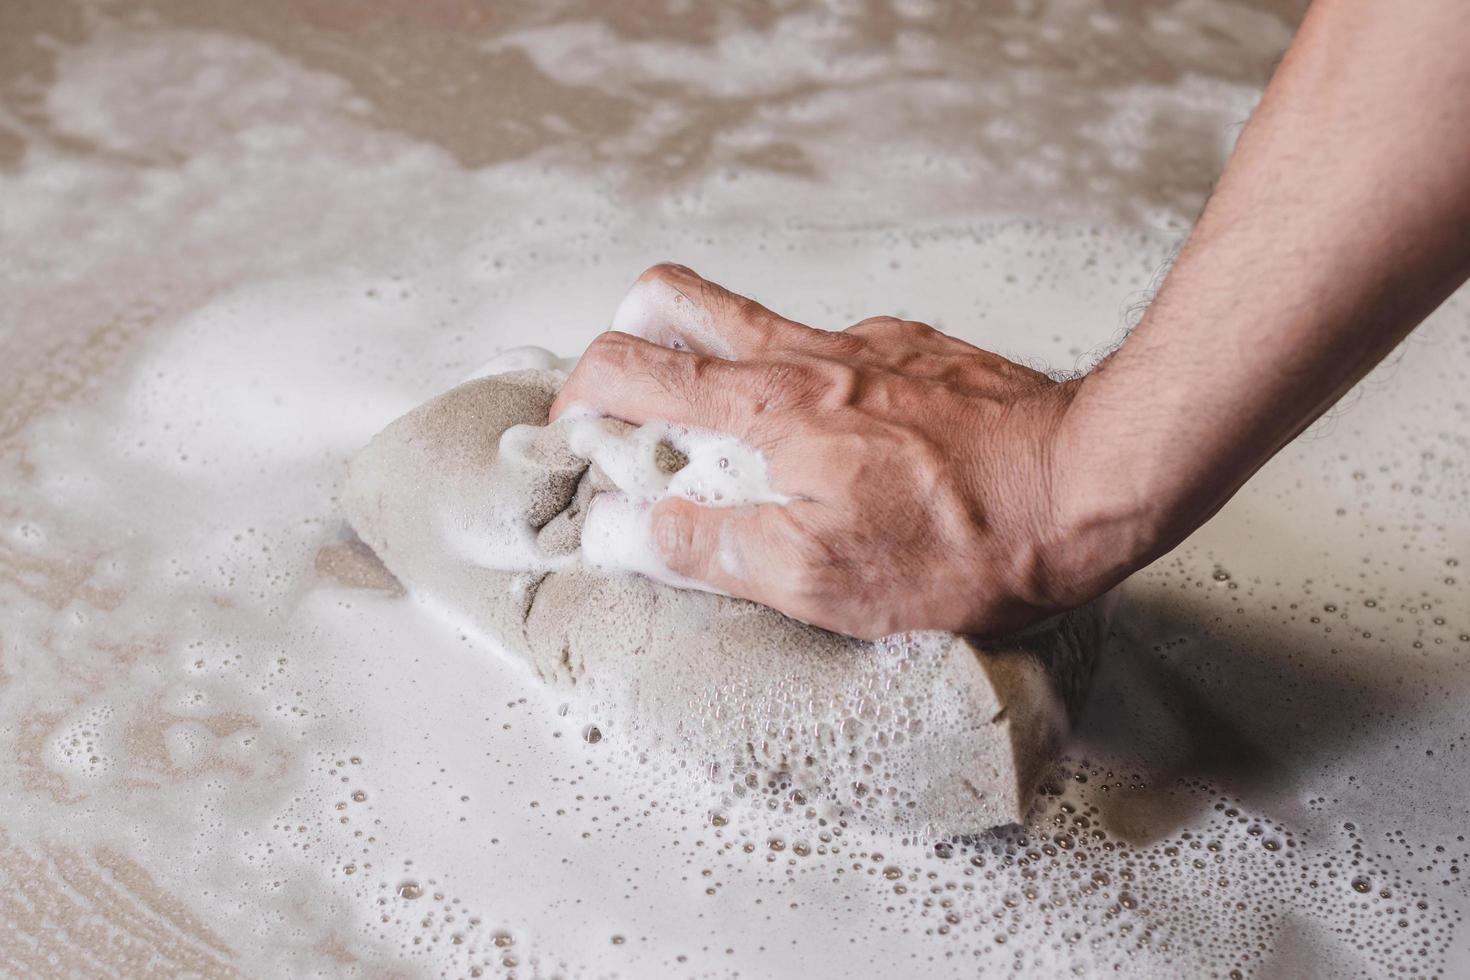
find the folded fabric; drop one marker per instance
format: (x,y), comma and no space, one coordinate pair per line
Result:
(475,503)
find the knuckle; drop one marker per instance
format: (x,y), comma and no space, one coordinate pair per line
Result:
(891,327)
(754,313)
(839,384)
(673,537)
(872,327)
(786,384)
(609,347)
(702,372)
(758,326)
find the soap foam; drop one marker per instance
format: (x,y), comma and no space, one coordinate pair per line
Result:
(1273,780)
(713,470)
(922,732)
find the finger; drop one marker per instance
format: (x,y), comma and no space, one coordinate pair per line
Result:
(749,551)
(760,553)
(629,378)
(673,306)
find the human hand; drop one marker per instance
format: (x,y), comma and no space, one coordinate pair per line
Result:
(924,470)
(942,486)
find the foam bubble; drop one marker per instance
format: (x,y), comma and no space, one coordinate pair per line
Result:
(222,759)
(710,469)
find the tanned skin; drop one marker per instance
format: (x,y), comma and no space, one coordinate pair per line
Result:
(941,486)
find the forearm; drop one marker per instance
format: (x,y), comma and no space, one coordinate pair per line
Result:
(929,484)
(1342,220)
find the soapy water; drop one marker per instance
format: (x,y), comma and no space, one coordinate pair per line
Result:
(713,470)
(223,754)
(646,464)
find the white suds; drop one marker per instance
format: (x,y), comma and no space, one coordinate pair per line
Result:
(721,471)
(221,757)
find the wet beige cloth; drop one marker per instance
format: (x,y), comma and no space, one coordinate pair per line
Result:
(925,730)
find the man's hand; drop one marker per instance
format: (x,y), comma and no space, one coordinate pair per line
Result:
(924,469)
(944,487)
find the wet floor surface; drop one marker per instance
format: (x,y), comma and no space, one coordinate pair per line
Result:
(235,241)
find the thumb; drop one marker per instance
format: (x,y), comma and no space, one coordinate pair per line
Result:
(717,546)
